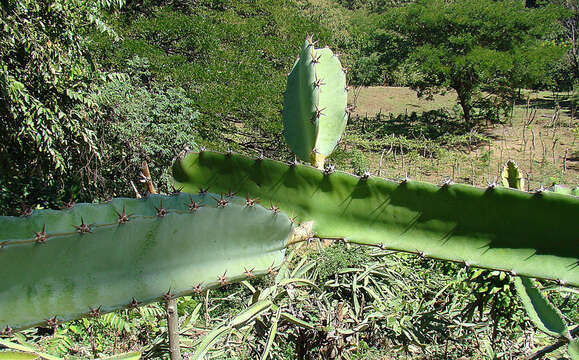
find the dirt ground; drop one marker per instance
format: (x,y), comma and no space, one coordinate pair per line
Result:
(541,136)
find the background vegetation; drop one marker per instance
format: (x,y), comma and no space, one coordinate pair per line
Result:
(90,89)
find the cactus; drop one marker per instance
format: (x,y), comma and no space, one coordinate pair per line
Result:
(497,228)
(512,177)
(545,316)
(314,111)
(94,258)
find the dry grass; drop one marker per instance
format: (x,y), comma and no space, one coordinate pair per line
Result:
(547,153)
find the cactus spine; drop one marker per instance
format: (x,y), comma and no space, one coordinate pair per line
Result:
(95,258)
(314,111)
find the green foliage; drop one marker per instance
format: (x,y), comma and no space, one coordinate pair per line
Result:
(230,57)
(140,120)
(359,162)
(44,71)
(337,257)
(474,45)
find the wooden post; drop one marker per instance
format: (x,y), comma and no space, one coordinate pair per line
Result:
(173,329)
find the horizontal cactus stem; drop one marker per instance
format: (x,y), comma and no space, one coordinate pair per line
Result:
(502,229)
(140,259)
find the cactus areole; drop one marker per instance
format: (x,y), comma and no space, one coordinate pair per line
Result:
(314,111)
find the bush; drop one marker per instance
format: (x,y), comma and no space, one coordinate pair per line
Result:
(139,122)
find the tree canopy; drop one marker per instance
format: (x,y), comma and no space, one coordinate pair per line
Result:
(475,45)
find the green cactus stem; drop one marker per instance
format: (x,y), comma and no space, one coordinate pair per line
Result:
(95,258)
(512,177)
(497,228)
(314,111)
(543,314)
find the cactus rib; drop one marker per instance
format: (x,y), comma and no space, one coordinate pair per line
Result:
(131,256)
(527,234)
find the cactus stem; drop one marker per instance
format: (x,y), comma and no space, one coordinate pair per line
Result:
(249,273)
(203,192)
(161,212)
(134,303)
(83,228)
(123,217)
(40,237)
(95,313)
(249,201)
(222,279)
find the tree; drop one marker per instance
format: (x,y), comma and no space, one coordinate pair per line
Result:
(472,46)
(44,72)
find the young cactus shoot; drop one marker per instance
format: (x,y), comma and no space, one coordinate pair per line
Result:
(314,111)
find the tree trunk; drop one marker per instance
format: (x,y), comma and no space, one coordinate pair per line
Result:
(464,99)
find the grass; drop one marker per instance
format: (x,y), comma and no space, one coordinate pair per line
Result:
(399,134)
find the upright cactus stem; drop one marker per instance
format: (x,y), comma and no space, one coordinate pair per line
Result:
(314,112)
(512,177)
